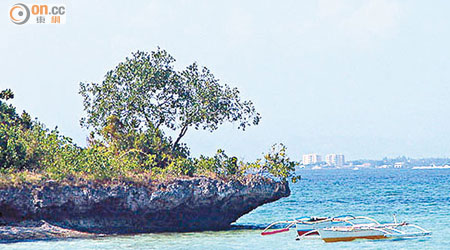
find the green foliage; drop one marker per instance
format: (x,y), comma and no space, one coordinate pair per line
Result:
(6,94)
(277,164)
(141,91)
(121,139)
(8,113)
(146,93)
(181,166)
(220,164)
(205,103)
(12,151)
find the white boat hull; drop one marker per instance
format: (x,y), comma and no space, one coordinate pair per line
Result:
(305,228)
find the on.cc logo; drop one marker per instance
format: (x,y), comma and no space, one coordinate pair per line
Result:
(19,13)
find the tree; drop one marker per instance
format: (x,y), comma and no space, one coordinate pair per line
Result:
(146,93)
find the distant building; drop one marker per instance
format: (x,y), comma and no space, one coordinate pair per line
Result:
(337,160)
(399,165)
(309,159)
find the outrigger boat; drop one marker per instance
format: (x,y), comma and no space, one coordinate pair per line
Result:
(344,228)
(305,225)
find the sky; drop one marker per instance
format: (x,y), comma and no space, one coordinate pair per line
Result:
(367,79)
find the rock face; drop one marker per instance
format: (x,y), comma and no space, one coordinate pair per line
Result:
(181,205)
(38,231)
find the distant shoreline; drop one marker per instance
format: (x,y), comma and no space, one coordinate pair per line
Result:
(432,167)
(375,168)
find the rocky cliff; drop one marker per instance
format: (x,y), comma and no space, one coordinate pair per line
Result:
(181,205)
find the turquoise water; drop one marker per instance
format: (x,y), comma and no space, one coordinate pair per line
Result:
(417,196)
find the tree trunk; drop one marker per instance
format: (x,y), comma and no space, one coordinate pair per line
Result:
(182,133)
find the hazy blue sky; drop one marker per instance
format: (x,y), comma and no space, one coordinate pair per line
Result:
(365,78)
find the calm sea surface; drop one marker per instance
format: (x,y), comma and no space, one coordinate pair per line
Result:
(417,196)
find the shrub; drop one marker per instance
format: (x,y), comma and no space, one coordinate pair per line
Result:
(276,163)
(12,151)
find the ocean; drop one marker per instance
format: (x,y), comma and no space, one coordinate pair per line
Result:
(417,196)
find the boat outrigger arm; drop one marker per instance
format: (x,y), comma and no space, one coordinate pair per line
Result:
(305,221)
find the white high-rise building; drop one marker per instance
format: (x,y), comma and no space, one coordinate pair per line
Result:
(337,160)
(311,159)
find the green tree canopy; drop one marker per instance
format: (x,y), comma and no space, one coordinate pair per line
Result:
(141,92)
(145,92)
